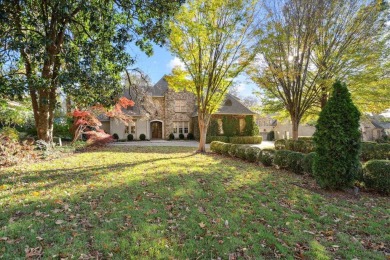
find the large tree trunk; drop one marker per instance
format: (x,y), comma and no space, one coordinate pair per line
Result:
(295,127)
(203,121)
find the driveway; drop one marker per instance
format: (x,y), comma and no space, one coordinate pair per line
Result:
(264,144)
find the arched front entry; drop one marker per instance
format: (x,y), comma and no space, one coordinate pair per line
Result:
(156,129)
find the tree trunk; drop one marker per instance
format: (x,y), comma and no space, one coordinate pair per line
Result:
(203,121)
(295,127)
(324,97)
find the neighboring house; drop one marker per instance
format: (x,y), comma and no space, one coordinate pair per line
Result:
(283,130)
(374,127)
(266,124)
(172,112)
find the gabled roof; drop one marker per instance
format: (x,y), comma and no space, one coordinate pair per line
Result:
(231,106)
(160,88)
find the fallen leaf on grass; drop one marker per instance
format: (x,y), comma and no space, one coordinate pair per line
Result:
(59,221)
(202,225)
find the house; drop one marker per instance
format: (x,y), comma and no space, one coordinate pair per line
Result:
(170,112)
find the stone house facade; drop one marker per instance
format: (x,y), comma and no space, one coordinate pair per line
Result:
(173,112)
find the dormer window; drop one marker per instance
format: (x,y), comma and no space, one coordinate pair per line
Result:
(228,103)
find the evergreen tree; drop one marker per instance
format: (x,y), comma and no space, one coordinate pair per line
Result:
(337,140)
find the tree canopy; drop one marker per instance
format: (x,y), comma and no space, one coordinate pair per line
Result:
(78,47)
(213,40)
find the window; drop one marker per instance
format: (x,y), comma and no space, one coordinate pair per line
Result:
(220,126)
(242,124)
(180,106)
(131,127)
(181,127)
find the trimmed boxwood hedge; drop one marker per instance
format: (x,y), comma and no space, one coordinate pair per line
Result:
(280,144)
(376,175)
(241,152)
(372,150)
(300,145)
(233,149)
(225,148)
(295,162)
(280,159)
(210,139)
(252,154)
(266,157)
(307,163)
(216,146)
(246,139)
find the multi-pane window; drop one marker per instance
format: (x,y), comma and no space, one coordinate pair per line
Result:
(180,106)
(220,126)
(181,127)
(131,127)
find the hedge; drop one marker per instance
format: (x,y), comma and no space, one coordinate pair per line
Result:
(372,150)
(300,145)
(307,163)
(280,144)
(225,148)
(280,159)
(241,151)
(233,149)
(295,162)
(216,146)
(210,139)
(266,157)
(252,154)
(376,175)
(246,139)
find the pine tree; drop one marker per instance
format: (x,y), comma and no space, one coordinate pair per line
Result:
(337,140)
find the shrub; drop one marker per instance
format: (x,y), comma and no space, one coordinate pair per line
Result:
(224,139)
(300,146)
(280,159)
(305,138)
(280,144)
(181,136)
(295,162)
(251,128)
(213,127)
(98,138)
(271,136)
(337,141)
(307,163)
(115,137)
(62,129)
(142,137)
(130,137)
(190,136)
(252,154)
(225,148)
(266,157)
(216,146)
(241,151)
(376,175)
(10,132)
(233,149)
(383,151)
(290,145)
(246,139)
(367,151)
(230,125)
(171,136)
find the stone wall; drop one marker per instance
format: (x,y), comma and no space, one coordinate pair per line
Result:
(171,115)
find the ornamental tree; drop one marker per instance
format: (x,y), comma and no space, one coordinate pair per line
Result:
(214,40)
(337,140)
(78,47)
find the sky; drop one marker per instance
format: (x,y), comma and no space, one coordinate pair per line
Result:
(162,62)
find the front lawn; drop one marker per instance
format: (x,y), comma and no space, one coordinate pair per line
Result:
(169,203)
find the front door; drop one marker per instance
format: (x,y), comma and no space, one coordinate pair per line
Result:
(156,130)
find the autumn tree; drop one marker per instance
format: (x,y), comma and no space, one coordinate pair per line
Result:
(308,44)
(78,47)
(213,40)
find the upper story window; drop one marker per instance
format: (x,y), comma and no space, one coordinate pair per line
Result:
(180,106)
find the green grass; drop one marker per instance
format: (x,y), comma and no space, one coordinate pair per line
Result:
(167,202)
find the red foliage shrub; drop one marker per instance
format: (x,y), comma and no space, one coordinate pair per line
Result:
(98,138)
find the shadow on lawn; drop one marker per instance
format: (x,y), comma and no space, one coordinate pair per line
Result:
(222,208)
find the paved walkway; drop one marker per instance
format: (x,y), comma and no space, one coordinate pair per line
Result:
(264,144)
